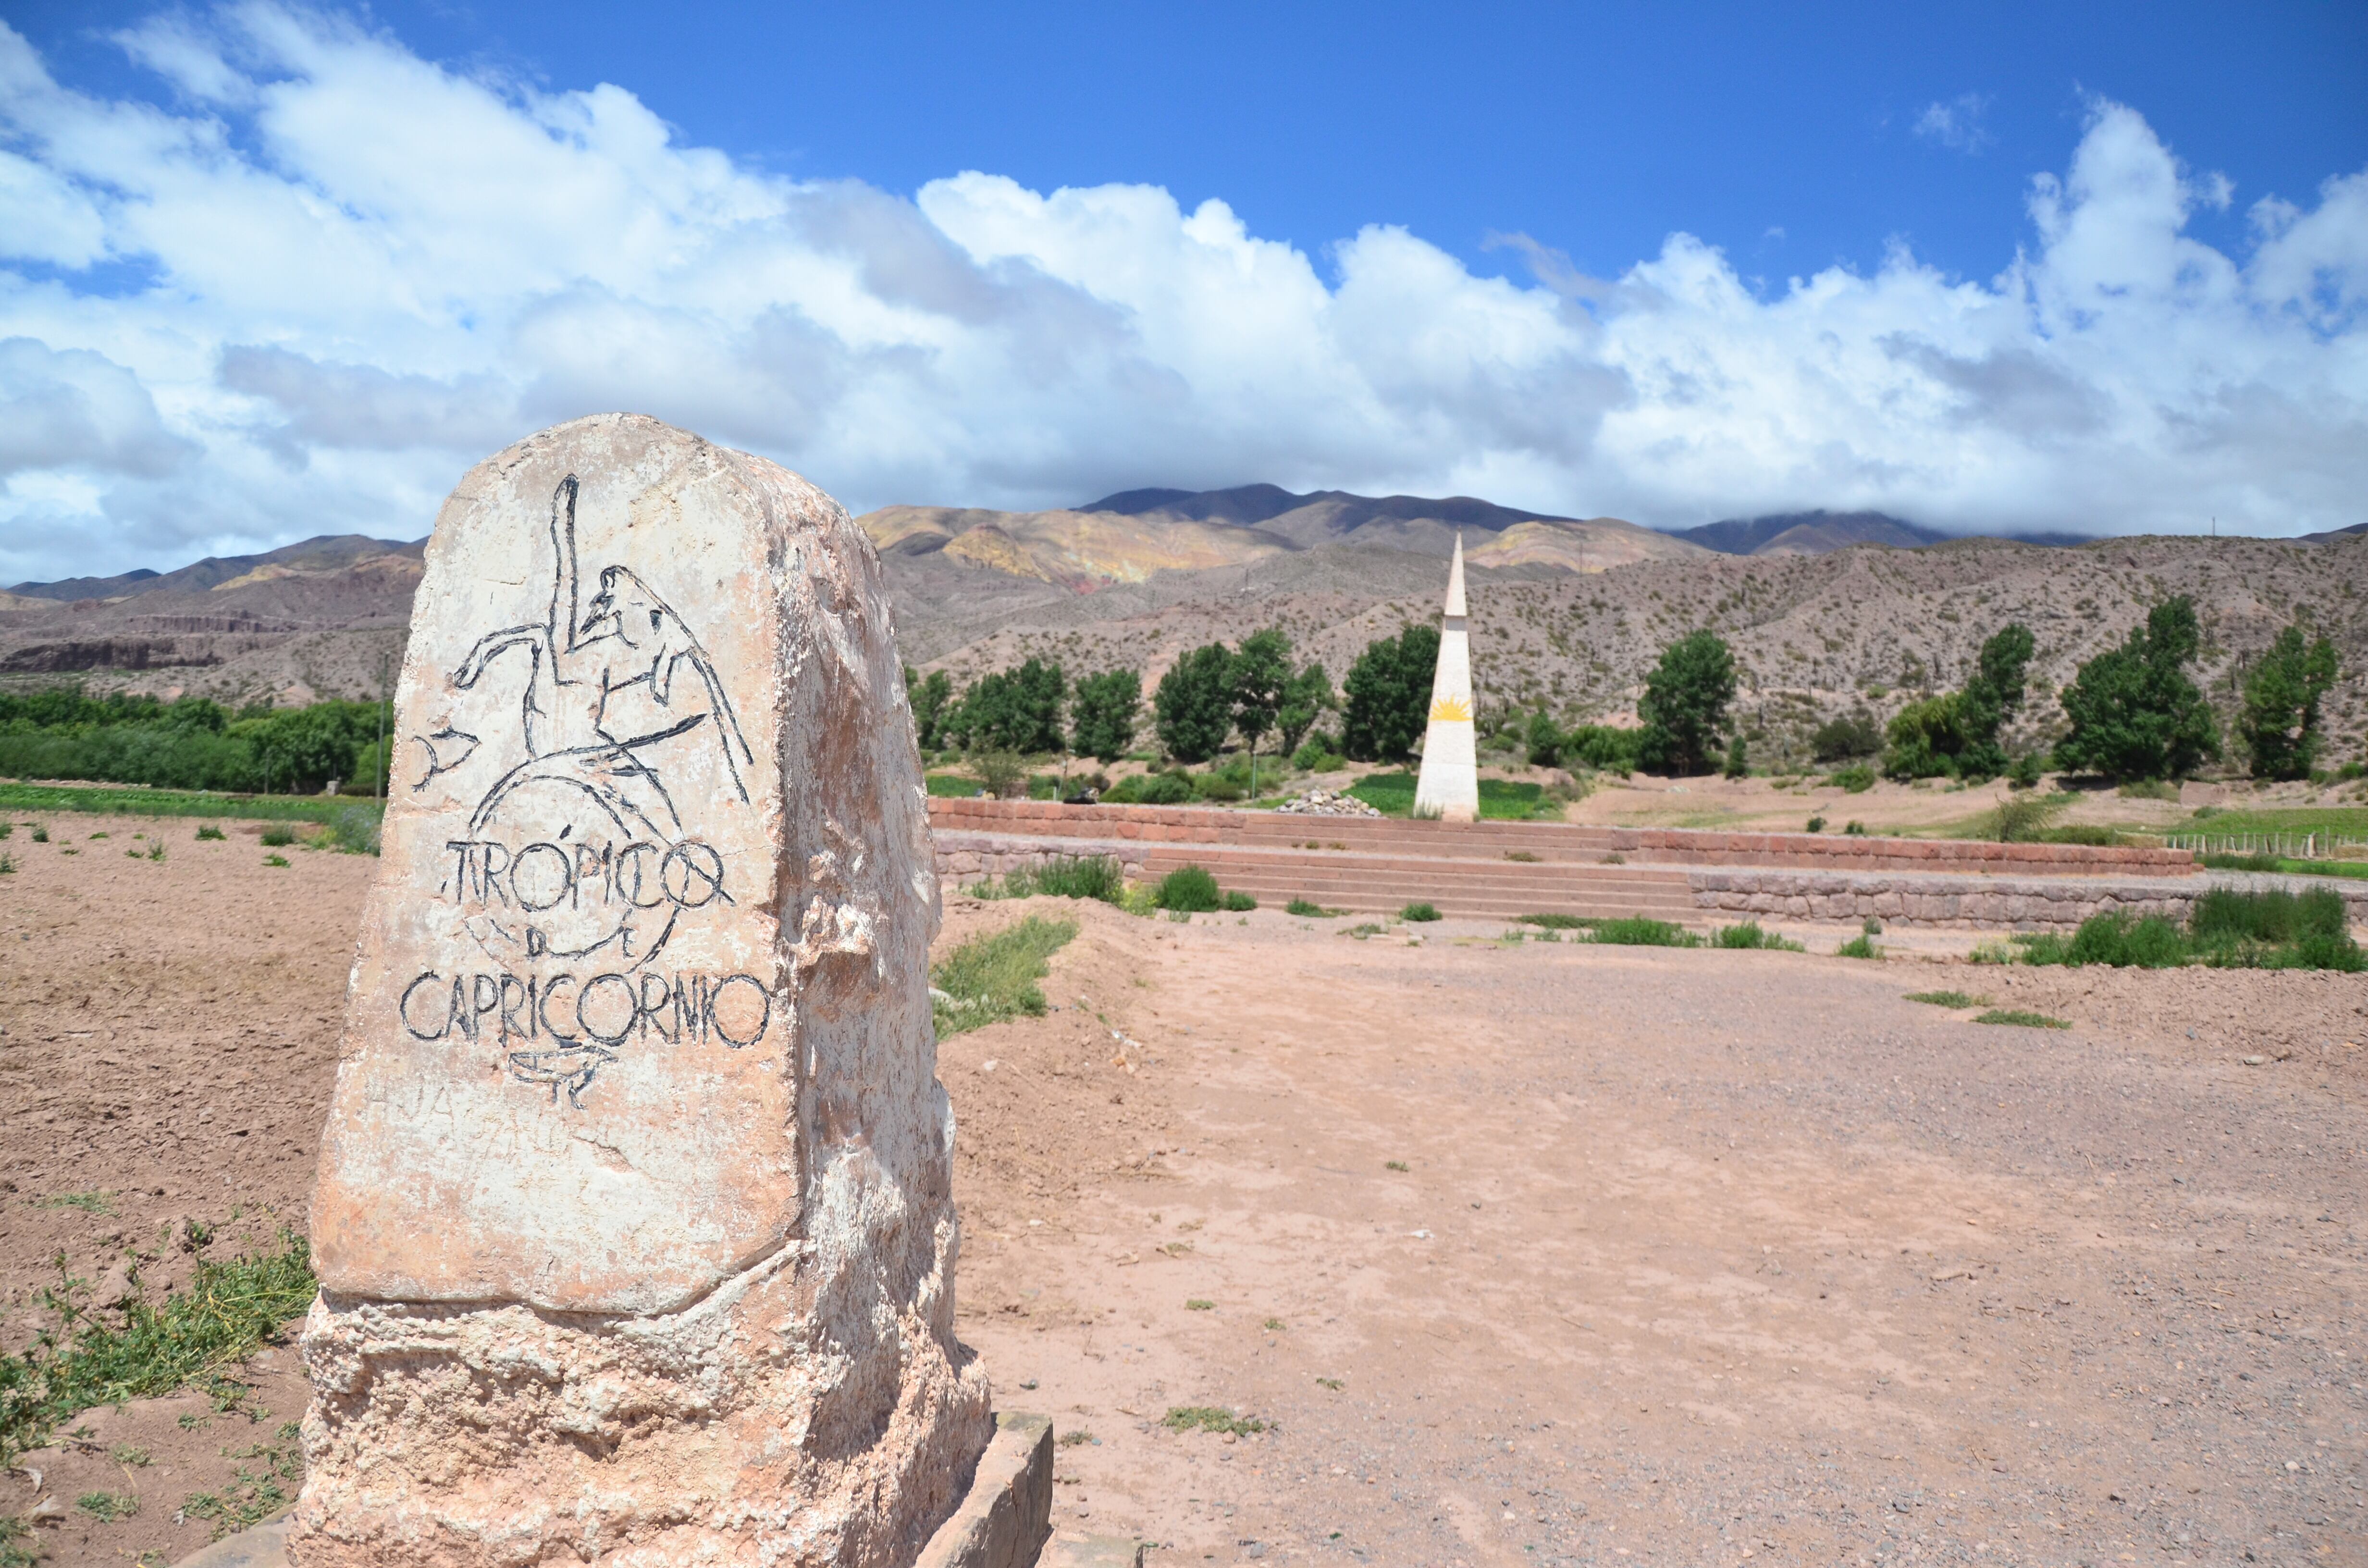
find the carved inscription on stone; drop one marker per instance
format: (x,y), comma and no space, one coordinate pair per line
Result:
(567,1075)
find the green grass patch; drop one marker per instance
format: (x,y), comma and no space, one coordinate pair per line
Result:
(108,1506)
(257,1494)
(1638,931)
(1751,934)
(1200,1304)
(1422,914)
(1307,909)
(209,831)
(991,978)
(280,860)
(1097,876)
(1957,999)
(2017,1016)
(2217,861)
(77,1361)
(2230,927)
(1501,799)
(1210,1418)
(120,801)
(2351,822)
(89,1203)
(1559,921)
(951,785)
(1859,947)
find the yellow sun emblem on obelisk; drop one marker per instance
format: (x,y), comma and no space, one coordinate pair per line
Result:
(1451,710)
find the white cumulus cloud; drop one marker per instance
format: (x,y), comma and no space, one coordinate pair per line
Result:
(312,277)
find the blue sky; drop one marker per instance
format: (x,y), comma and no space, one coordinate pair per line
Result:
(2012,266)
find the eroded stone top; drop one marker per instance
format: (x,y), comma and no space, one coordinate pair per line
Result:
(567,1075)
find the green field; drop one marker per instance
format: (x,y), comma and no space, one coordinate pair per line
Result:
(2351,822)
(1392,794)
(117,799)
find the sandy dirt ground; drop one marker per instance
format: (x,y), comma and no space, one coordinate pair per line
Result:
(1696,1257)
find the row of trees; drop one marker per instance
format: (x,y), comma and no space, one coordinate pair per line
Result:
(2133,711)
(192,743)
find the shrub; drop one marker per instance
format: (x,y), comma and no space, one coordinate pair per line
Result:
(2218,861)
(40,832)
(1081,876)
(1544,740)
(1817,824)
(2121,942)
(1306,909)
(1002,773)
(278,860)
(279,835)
(1856,779)
(1239,902)
(2044,947)
(8,864)
(1189,890)
(208,830)
(1637,931)
(1420,912)
(1602,746)
(2021,819)
(2027,1020)
(2274,929)
(1316,755)
(354,830)
(1751,935)
(1859,947)
(1738,759)
(1854,734)
(1215,786)
(991,978)
(1165,789)
(2023,772)
(1854,829)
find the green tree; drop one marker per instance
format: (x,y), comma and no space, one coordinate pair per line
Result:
(1305,699)
(1955,735)
(1192,709)
(1684,705)
(2279,725)
(1544,740)
(1388,693)
(1261,676)
(1738,757)
(1105,714)
(2134,712)
(930,696)
(1016,711)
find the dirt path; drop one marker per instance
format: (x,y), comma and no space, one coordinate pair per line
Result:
(1695,1252)
(1697,1256)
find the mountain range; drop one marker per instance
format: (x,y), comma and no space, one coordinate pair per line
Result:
(1826,610)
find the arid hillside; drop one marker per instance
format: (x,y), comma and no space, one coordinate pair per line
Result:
(1138,579)
(1816,634)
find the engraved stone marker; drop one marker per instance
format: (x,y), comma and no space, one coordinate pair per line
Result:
(634,1224)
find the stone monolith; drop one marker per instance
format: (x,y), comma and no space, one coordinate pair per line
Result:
(1448,785)
(634,1224)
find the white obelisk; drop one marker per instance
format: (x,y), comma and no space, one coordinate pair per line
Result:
(1449,786)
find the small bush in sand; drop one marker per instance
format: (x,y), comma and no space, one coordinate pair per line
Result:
(1420,912)
(1751,935)
(1637,931)
(40,832)
(2018,1016)
(1068,876)
(1189,890)
(279,835)
(1239,902)
(1859,947)
(1309,910)
(209,831)
(1956,999)
(991,978)
(1210,1418)
(279,860)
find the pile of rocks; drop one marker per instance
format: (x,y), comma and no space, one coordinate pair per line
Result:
(1325,803)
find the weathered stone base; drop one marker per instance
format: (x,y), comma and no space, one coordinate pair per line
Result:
(1004,1521)
(767,1424)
